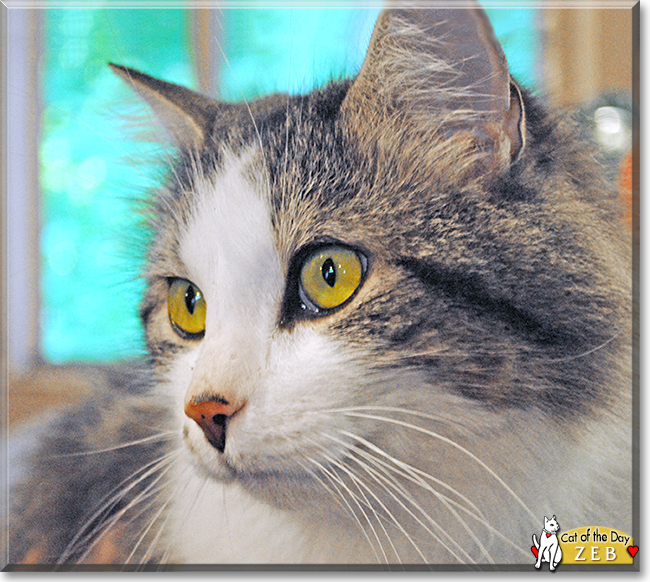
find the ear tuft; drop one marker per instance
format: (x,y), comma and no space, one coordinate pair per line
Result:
(185,115)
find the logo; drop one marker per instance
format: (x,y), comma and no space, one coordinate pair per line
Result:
(548,548)
(597,545)
(583,545)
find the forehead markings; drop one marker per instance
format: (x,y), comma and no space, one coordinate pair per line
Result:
(229,246)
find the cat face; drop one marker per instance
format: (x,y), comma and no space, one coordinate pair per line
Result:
(284,360)
(551,525)
(280,377)
(394,270)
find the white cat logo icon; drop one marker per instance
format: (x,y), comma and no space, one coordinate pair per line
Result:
(548,548)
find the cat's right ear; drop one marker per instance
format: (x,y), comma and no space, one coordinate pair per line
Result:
(433,74)
(185,115)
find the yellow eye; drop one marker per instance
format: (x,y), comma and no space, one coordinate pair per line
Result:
(329,277)
(186,307)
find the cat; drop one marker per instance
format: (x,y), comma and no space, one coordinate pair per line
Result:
(388,322)
(548,547)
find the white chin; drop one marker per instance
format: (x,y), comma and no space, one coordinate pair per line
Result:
(205,458)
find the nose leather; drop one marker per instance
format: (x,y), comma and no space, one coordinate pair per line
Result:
(212,415)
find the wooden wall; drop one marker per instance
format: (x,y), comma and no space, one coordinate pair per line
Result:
(586,52)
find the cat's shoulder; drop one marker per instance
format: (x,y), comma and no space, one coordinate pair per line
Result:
(77,434)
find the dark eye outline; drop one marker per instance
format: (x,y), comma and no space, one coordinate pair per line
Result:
(295,305)
(186,335)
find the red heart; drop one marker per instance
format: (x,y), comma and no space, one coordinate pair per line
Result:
(536,551)
(633,550)
(548,535)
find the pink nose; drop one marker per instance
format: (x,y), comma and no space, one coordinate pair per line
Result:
(212,415)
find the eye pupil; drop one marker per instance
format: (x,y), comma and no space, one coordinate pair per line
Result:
(190,299)
(329,272)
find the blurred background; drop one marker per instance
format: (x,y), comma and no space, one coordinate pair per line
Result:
(75,174)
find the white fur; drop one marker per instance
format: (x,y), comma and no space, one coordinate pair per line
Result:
(229,252)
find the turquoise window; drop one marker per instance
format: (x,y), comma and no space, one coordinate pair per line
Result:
(517,31)
(291,50)
(93,173)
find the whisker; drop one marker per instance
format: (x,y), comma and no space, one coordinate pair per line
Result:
(456,446)
(387,470)
(147,528)
(395,521)
(377,515)
(477,515)
(436,417)
(106,526)
(195,500)
(156,437)
(588,352)
(411,469)
(151,497)
(314,475)
(114,496)
(382,482)
(354,498)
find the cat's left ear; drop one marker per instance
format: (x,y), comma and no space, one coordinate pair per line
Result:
(441,72)
(185,115)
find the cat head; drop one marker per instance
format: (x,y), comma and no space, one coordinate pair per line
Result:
(421,239)
(551,525)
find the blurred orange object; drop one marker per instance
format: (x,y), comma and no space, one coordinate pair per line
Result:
(625,183)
